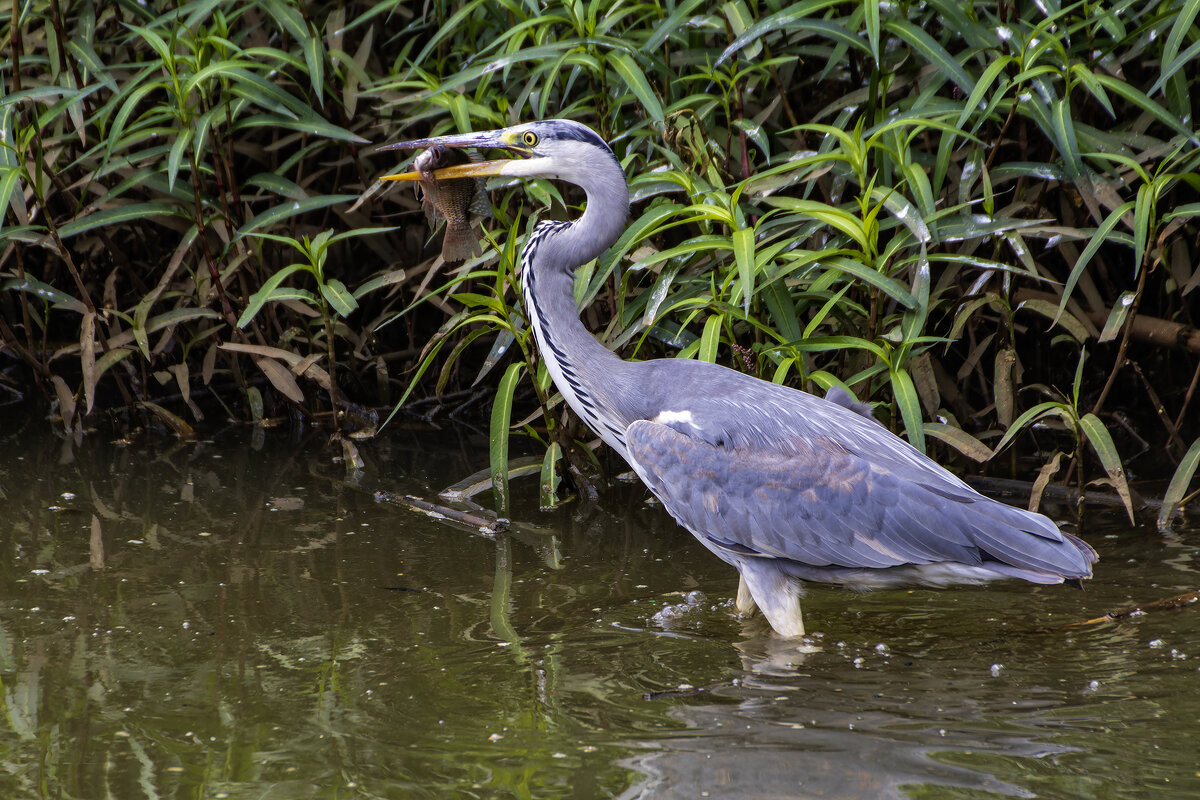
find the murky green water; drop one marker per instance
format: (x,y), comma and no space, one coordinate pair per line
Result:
(221,619)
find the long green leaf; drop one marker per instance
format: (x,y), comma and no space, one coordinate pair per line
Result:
(1032,414)
(959,439)
(910,407)
(834,217)
(550,479)
(1142,101)
(292,208)
(1180,482)
(9,176)
(635,79)
(259,298)
(1098,238)
(933,52)
(803,17)
(45,291)
(498,449)
(889,286)
(980,89)
(1172,59)
(743,253)
(1102,444)
(179,149)
(115,215)
(338,296)
(710,339)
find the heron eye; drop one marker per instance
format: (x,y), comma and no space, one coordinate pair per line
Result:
(529,138)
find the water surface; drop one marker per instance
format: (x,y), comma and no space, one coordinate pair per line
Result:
(230,619)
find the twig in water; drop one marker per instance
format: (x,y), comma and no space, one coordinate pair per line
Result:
(1178,601)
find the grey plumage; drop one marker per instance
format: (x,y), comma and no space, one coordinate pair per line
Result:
(783,485)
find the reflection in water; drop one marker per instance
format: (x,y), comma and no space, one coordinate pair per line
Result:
(782,738)
(838,756)
(222,619)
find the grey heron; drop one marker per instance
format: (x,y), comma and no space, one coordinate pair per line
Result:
(785,486)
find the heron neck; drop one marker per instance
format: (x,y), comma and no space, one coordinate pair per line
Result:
(580,366)
(554,317)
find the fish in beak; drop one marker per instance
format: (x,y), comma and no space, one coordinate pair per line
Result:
(452,183)
(462,202)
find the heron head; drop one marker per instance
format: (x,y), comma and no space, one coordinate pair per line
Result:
(555,148)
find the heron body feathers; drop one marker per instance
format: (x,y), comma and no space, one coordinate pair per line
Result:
(826,513)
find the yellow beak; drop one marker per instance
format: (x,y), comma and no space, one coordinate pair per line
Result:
(480,140)
(480,169)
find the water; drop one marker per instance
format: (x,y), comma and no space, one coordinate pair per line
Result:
(229,619)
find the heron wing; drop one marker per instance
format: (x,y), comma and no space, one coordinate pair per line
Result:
(729,409)
(818,503)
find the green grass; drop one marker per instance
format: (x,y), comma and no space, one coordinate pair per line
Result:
(981,218)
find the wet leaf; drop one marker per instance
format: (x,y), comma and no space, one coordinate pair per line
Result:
(1004,391)
(389,278)
(889,286)
(172,420)
(9,179)
(549,478)
(113,216)
(281,378)
(499,432)
(834,217)
(268,292)
(710,339)
(1180,481)
(87,359)
(1048,471)
(1116,317)
(910,407)
(1058,316)
(960,440)
(635,79)
(1102,444)
(255,402)
(66,402)
(931,51)
(1032,415)
(338,296)
(743,252)
(274,216)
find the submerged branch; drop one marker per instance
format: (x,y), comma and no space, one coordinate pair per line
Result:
(1178,601)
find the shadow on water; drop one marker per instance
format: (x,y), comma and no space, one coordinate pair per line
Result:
(220,619)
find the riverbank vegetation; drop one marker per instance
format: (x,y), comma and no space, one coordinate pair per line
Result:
(981,218)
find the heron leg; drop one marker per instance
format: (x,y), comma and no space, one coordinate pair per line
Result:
(776,594)
(745,601)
